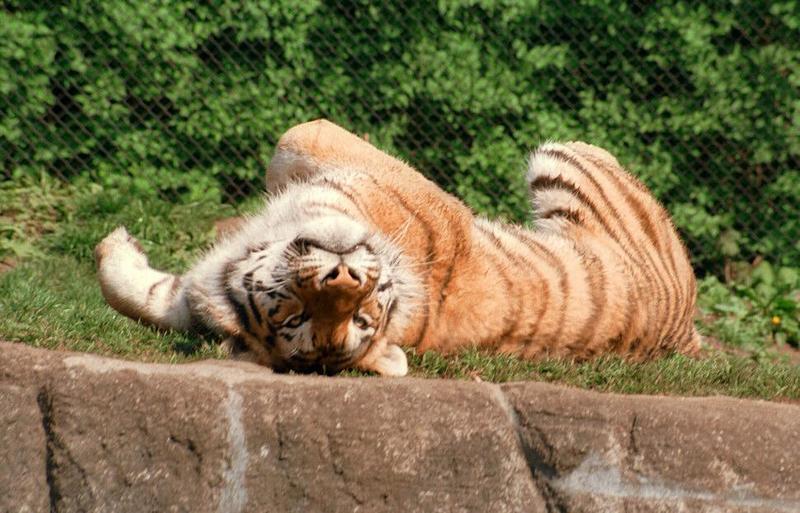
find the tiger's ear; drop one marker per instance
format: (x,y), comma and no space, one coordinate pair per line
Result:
(389,361)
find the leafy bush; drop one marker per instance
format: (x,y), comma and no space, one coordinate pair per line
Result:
(761,307)
(186,99)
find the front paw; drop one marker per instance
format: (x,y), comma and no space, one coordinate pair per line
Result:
(119,244)
(387,360)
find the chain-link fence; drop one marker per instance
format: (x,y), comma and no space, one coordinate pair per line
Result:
(186,99)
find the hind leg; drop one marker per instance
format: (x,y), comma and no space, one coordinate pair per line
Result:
(307,149)
(136,290)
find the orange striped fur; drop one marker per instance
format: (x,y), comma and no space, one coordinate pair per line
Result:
(384,258)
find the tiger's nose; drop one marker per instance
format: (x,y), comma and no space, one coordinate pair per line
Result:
(341,277)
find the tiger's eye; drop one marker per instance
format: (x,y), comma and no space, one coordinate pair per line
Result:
(360,321)
(294,321)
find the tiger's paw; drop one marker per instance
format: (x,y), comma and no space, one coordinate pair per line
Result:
(236,349)
(390,361)
(119,245)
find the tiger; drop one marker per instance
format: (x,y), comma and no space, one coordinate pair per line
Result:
(356,255)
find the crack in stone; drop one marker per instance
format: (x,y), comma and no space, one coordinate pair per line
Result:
(59,462)
(633,447)
(338,470)
(282,449)
(45,403)
(632,434)
(602,475)
(189,445)
(541,473)
(599,478)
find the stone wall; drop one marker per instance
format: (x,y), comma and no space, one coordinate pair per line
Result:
(85,433)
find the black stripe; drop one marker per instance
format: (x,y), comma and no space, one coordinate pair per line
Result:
(390,313)
(554,262)
(253,308)
(598,292)
(318,205)
(645,259)
(518,306)
(429,249)
(247,279)
(686,287)
(344,191)
(559,183)
(686,336)
(238,308)
(247,284)
(638,207)
(262,246)
(632,299)
(667,256)
(458,250)
(157,284)
(640,212)
(566,213)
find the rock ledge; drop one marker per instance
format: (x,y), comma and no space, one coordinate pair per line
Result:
(86,433)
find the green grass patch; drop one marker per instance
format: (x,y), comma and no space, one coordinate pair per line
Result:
(677,375)
(51,299)
(55,303)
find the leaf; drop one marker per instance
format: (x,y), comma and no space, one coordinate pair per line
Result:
(763,273)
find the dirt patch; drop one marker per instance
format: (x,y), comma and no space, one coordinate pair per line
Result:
(6,264)
(224,228)
(787,351)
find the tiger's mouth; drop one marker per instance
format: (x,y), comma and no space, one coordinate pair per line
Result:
(326,362)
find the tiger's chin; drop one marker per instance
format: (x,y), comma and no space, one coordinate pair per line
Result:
(382,358)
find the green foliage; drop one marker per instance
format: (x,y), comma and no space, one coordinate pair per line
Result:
(758,309)
(51,298)
(186,99)
(54,302)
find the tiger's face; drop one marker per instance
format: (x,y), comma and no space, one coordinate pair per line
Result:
(333,303)
(321,304)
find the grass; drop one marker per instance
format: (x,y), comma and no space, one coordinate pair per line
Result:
(50,299)
(675,375)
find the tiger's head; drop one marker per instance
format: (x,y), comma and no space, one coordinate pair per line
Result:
(328,298)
